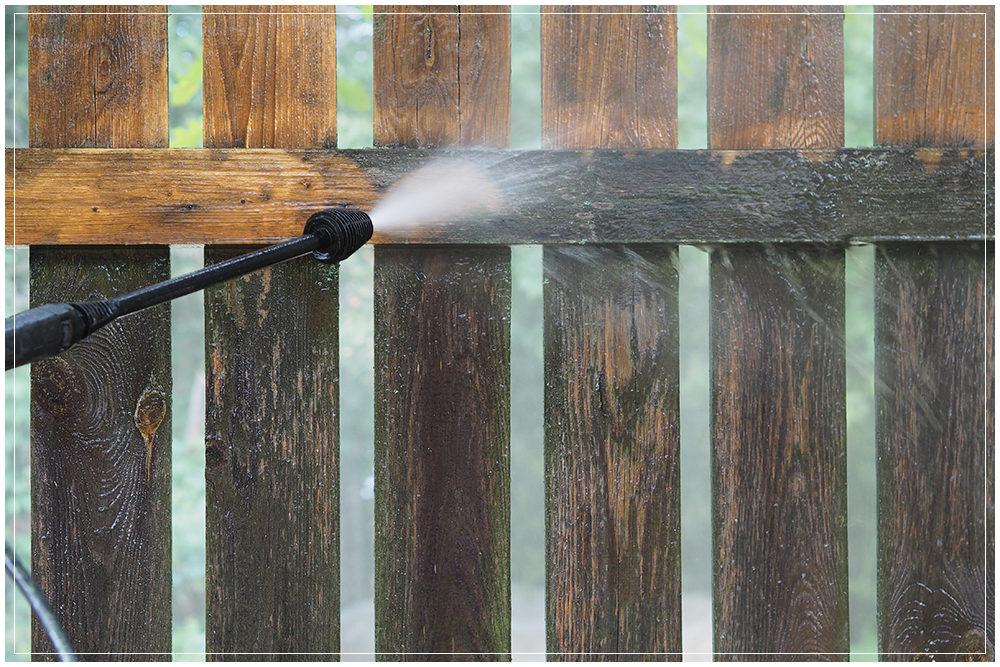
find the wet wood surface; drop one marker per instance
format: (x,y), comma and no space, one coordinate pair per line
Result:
(272,365)
(779,514)
(442,360)
(934,359)
(100,413)
(612,403)
(552,196)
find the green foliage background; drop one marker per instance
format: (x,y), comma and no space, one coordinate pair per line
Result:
(354,99)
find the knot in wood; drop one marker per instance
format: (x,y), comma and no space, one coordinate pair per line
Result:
(100,66)
(149,412)
(59,386)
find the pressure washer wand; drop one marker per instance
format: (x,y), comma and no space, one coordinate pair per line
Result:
(331,236)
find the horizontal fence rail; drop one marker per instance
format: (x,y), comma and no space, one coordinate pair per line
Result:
(185,195)
(98,196)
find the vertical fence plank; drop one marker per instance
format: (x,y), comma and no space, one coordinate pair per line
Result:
(934,360)
(612,402)
(442,359)
(778,367)
(272,354)
(100,423)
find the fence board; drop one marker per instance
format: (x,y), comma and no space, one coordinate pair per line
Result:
(442,359)
(100,426)
(272,415)
(251,100)
(778,368)
(611,343)
(934,370)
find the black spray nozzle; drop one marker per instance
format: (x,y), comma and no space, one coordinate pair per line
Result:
(331,236)
(341,231)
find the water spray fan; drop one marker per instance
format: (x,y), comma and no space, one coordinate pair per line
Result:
(331,235)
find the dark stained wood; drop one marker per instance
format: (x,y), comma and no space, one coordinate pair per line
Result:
(778,366)
(100,454)
(100,414)
(442,359)
(935,589)
(272,463)
(934,359)
(610,77)
(612,402)
(272,351)
(97,80)
(778,424)
(612,452)
(934,77)
(442,477)
(619,196)
(270,76)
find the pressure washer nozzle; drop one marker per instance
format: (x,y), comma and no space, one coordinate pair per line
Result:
(341,231)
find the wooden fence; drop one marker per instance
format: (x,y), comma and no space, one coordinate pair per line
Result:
(100,196)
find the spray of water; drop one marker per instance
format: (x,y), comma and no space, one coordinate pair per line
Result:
(446,190)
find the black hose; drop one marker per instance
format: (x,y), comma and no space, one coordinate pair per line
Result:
(43,612)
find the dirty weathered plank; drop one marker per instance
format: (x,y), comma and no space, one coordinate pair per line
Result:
(778,367)
(553,196)
(100,413)
(933,357)
(612,402)
(272,353)
(442,359)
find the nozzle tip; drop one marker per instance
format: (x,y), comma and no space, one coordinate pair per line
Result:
(342,231)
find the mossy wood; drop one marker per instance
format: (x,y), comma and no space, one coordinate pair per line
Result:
(442,359)
(934,314)
(272,364)
(100,414)
(612,403)
(779,480)
(552,196)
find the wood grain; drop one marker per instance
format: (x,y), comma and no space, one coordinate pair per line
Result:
(96,76)
(934,77)
(612,402)
(272,463)
(100,414)
(610,77)
(442,476)
(552,196)
(783,71)
(612,453)
(419,82)
(442,359)
(778,366)
(934,359)
(270,76)
(272,356)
